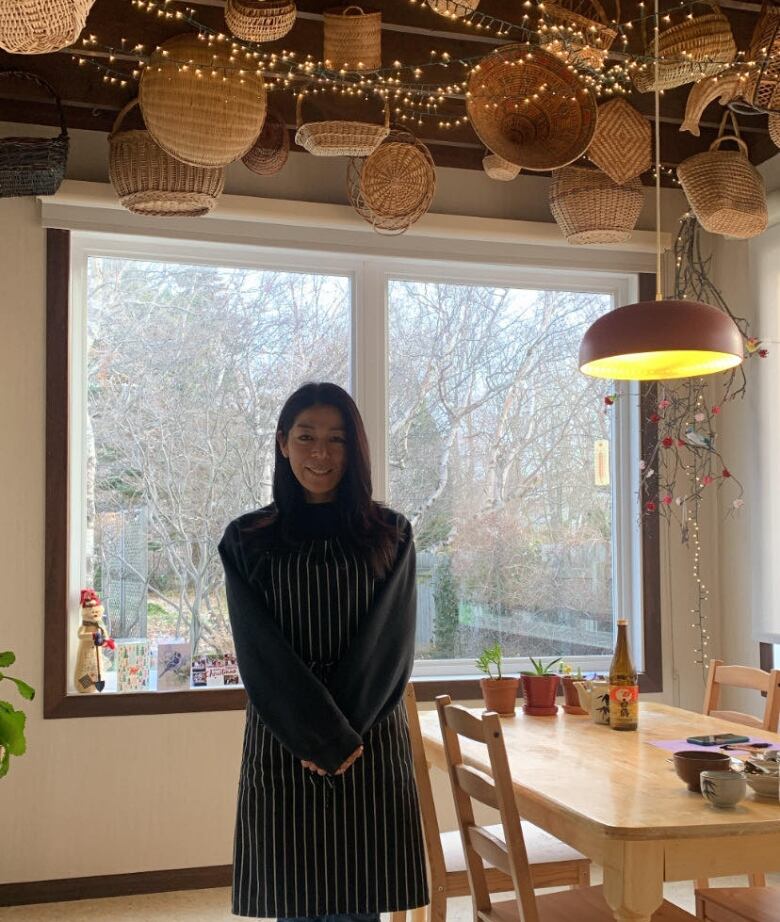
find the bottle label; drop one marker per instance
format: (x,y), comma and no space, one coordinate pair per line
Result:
(623,705)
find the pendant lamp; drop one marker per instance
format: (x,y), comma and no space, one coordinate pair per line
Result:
(661,339)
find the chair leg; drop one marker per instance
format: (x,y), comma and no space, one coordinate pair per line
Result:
(419,913)
(757,880)
(701,884)
(437,909)
(398,916)
(583,873)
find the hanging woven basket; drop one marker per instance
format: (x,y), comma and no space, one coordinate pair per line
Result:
(621,143)
(33,166)
(687,51)
(453,9)
(499,169)
(339,138)
(150,182)
(198,118)
(774,128)
(41,26)
(724,189)
(260,20)
(270,151)
(761,89)
(540,133)
(723,87)
(393,187)
(590,208)
(352,38)
(580,36)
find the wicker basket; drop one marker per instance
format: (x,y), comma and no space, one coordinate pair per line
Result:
(581,37)
(33,166)
(621,144)
(498,168)
(544,133)
(761,90)
(774,128)
(723,87)
(270,151)
(41,26)
(340,139)
(393,187)
(150,182)
(453,9)
(260,20)
(724,189)
(200,119)
(352,38)
(590,208)
(687,51)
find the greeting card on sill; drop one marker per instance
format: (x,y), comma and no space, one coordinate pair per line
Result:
(132,665)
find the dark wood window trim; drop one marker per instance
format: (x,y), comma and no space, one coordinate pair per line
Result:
(56,702)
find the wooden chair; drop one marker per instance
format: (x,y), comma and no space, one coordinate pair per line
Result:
(553,864)
(738,904)
(510,854)
(743,677)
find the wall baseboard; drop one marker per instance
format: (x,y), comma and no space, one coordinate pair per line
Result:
(90,888)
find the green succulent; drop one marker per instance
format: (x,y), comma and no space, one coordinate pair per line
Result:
(540,668)
(12,741)
(490,655)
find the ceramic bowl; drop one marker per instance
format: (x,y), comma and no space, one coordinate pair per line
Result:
(764,785)
(690,763)
(723,789)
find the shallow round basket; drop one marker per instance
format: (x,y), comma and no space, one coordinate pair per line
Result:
(581,39)
(150,182)
(499,169)
(352,38)
(393,187)
(196,118)
(260,20)
(333,138)
(541,133)
(590,208)
(270,151)
(453,9)
(41,26)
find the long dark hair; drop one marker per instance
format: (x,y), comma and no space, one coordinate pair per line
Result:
(366,527)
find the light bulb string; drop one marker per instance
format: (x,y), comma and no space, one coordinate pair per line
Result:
(658,286)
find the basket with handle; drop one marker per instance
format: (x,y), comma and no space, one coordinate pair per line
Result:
(196,118)
(41,26)
(33,166)
(762,89)
(352,38)
(724,189)
(150,182)
(270,151)
(333,138)
(260,20)
(393,187)
(591,208)
(584,35)
(689,50)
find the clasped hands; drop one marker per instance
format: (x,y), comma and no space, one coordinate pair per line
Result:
(312,766)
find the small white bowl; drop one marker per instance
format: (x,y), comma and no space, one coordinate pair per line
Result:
(764,785)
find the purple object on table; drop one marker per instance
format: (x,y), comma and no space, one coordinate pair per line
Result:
(680,745)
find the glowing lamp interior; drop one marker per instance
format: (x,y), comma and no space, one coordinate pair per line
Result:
(656,366)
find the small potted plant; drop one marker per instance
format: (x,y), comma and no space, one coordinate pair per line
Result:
(540,688)
(570,694)
(500,694)
(12,741)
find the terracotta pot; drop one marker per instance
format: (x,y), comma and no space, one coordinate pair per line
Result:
(500,695)
(539,692)
(572,705)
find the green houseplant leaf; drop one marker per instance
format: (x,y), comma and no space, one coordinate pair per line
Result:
(12,722)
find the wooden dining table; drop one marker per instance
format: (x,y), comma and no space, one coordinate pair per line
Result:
(617,799)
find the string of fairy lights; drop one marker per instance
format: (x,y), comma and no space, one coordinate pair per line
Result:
(414,97)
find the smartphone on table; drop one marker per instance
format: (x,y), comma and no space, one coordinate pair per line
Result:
(717,740)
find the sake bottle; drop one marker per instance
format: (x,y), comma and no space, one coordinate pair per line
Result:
(623,685)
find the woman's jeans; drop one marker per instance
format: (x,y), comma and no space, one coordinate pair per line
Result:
(346,917)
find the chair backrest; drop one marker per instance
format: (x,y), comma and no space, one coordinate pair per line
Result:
(743,677)
(430,823)
(494,790)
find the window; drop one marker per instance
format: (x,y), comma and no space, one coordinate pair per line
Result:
(481,428)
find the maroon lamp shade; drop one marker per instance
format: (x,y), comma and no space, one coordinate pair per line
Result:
(655,340)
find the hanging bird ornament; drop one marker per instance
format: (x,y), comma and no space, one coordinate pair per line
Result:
(698,439)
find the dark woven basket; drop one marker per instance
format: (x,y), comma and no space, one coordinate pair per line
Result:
(33,166)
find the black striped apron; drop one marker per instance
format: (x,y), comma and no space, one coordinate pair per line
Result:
(308,844)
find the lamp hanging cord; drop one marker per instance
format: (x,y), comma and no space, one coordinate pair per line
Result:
(658,293)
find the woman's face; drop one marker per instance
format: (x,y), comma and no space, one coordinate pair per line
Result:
(316,447)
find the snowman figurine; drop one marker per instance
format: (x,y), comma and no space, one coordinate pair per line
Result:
(93,636)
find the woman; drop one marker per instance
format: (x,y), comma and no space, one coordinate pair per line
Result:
(322,601)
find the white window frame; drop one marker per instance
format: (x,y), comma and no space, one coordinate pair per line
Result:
(369,382)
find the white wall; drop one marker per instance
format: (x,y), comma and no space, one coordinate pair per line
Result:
(156,791)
